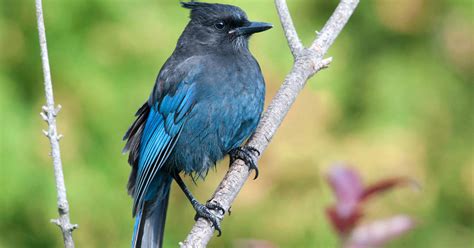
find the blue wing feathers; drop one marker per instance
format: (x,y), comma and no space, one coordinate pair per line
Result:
(186,105)
(162,128)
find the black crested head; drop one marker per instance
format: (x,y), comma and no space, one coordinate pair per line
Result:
(209,12)
(219,27)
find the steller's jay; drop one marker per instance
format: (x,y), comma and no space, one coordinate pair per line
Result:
(206,101)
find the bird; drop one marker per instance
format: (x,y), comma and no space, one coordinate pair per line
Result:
(206,102)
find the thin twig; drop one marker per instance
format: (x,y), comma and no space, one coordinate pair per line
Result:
(294,41)
(334,26)
(49,113)
(308,61)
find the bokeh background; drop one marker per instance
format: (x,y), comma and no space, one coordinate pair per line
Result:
(397,101)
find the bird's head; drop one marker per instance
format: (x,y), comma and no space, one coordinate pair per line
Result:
(219,26)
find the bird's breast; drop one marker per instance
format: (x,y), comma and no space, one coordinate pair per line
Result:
(226,112)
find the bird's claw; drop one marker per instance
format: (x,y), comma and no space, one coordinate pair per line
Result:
(204,212)
(247,154)
(213,205)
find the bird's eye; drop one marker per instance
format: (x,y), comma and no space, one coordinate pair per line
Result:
(219,25)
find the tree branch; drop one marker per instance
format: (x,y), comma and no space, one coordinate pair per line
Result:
(49,113)
(294,41)
(308,61)
(334,26)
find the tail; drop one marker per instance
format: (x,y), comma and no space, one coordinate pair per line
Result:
(149,225)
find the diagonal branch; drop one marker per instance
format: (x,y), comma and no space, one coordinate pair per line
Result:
(334,26)
(294,41)
(49,113)
(308,61)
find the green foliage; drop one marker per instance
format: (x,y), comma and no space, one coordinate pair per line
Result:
(397,100)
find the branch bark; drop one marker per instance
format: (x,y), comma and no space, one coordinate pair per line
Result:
(308,61)
(49,113)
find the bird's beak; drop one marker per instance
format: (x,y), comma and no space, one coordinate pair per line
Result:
(251,28)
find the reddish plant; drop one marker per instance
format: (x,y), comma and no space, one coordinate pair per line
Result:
(346,214)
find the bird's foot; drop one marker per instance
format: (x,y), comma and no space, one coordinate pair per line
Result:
(217,206)
(213,205)
(247,154)
(203,211)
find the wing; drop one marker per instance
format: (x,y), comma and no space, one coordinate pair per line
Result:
(161,131)
(159,123)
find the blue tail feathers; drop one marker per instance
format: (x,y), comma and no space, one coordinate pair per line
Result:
(150,219)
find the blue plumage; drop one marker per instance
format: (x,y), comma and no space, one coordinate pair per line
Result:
(207,100)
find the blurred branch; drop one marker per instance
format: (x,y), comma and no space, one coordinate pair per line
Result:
(49,114)
(308,61)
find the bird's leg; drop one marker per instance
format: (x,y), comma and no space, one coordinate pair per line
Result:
(202,211)
(247,154)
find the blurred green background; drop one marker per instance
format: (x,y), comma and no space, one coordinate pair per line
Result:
(397,101)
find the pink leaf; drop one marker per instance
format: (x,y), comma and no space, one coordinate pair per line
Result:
(347,187)
(378,233)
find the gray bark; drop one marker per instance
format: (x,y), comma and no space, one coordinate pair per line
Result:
(49,114)
(308,61)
